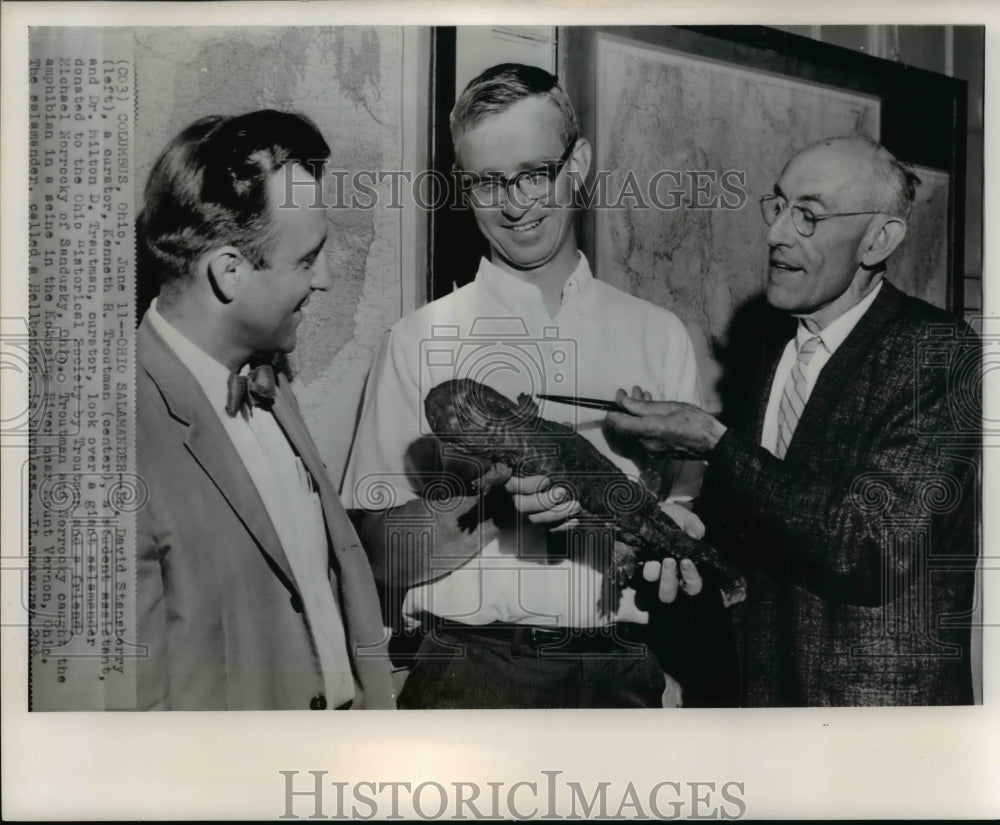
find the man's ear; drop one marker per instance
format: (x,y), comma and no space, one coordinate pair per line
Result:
(580,160)
(883,242)
(224,268)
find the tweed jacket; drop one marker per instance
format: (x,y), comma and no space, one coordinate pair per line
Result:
(861,544)
(218,609)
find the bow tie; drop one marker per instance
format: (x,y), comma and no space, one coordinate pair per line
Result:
(256,389)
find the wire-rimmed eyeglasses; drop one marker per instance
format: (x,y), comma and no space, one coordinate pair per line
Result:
(804,220)
(528,184)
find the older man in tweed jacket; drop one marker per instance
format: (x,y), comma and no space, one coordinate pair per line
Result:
(848,486)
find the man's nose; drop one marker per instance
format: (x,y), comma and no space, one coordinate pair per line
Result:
(515,203)
(782,232)
(322,274)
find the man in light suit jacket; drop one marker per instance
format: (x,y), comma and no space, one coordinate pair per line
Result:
(849,487)
(253,590)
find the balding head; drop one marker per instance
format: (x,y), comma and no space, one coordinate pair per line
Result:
(838,212)
(869,175)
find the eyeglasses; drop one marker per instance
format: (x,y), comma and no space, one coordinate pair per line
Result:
(529,184)
(804,220)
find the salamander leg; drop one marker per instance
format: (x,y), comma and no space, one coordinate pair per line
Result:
(499,473)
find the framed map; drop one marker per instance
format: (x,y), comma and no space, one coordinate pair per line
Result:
(703,255)
(690,129)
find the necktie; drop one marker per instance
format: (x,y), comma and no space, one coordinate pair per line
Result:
(256,389)
(793,400)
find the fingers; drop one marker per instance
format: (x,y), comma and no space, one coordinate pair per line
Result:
(623,422)
(638,394)
(672,694)
(540,500)
(628,402)
(526,485)
(544,499)
(629,611)
(734,597)
(640,402)
(669,584)
(553,515)
(636,406)
(651,571)
(642,417)
(668,581)
(686,520)
(566,526)
(690,578)
(634,421)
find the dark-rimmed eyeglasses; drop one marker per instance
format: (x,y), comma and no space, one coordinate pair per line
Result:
(804,220)
(522,188)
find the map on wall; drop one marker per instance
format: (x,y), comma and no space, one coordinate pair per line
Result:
(344,79)
(921,264)
(350,82)
(689,146)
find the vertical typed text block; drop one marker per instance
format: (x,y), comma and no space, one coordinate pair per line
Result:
(82,489)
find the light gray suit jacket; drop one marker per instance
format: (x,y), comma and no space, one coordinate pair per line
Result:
(218,608)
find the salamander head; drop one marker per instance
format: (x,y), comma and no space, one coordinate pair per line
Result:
(463,408)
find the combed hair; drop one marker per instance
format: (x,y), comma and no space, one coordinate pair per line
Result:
(209,187)
(893,180)
(501,86)
(899,179)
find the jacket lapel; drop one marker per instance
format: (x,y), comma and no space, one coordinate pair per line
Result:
(358,597)
(763,397)
(757,339)
(843,366)
(338,525)
(210,445)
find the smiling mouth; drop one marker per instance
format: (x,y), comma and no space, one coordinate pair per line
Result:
(781,265)
(526,227)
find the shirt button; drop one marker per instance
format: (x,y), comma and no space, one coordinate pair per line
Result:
(318,702)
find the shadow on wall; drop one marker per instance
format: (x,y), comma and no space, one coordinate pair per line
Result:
(756,332)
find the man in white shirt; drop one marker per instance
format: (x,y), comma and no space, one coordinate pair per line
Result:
(851,491)
(512,612)
(253,590)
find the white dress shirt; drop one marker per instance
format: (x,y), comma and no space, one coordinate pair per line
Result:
(831,337)
(291,501)
(498,331)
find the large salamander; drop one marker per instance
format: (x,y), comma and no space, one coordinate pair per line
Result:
(480,422)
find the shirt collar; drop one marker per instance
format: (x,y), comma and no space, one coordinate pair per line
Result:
(512,289)
(209,373)
(579,279)
(835,333)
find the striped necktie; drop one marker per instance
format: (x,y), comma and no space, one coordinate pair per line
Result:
(793,400)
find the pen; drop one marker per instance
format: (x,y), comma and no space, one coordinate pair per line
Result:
(592,403)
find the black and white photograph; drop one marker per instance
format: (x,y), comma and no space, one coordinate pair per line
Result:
(636,371)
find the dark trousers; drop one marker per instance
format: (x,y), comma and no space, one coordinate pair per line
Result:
(502,666)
